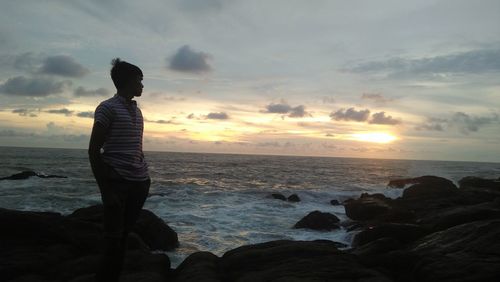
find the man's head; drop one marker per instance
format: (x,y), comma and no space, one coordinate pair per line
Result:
(126,77)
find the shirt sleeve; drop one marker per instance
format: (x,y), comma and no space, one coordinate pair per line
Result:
(104,115)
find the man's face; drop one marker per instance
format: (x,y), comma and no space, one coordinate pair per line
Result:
(136,86)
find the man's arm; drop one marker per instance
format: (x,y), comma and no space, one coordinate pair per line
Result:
(99,168)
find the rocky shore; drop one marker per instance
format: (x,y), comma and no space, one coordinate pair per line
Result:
(435,232)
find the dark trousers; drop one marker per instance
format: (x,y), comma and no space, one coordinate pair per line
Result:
(122,201)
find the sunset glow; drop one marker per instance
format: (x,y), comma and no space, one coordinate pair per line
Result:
(375,137)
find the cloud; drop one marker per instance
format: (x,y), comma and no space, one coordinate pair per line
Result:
(284,108)
(82,92)
(63,65)
(351,115)
(32,87)
(298,111)
(381,118)
(63,111)
(24,112)
(375,97)
(465,123)
(473,62)
(88,114)
(54,128)
(190,116)
(26,61)
(187,60)
(221,115)
(161,121)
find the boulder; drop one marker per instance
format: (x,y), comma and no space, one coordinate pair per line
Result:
(150,228)
(367,206)
(294,261)
(428,180)
(199,266)
(319,221)
(432,187)
(402,233)
(293,198)
(278,196)
(46,246)
(27,174)
(467,252)
(335,202)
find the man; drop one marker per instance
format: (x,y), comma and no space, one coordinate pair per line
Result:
(120,169)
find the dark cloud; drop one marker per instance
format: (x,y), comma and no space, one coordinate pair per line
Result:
(220,115)
(298,111)
(63,111)
(284,108)
(375,97)
(88,114)
(32,87)
(465,123)
(187,60)
(161,121)
(82,92)
(190,116)
(24,112)
(351,115)
(62,65)
(476,61)
(26,61)
(381,118)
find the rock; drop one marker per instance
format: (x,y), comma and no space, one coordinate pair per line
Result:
(467,252)
(367,207)
(403,233)
(278,196)
(424,180)
(199,266)
(293,198)
(294,261)
(46,246)
(477,182)
(155,232)
(335,202)
(27,174)
(318,221)
(458,215)
(433,187)
(150,228)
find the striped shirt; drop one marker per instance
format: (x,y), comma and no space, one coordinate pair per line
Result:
(122,148)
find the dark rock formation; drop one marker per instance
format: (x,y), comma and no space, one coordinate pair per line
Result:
(278,261)
(293,198)
(335,202)
(27,174)
(403,233)
(278,196)
(46,246)
(428,180)
(318,221)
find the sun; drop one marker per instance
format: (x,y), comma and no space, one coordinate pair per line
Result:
(375,137)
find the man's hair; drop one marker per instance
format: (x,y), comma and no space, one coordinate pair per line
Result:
(122,72)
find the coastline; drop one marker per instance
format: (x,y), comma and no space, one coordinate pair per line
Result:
(435,231)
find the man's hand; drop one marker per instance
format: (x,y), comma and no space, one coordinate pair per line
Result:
(99,168)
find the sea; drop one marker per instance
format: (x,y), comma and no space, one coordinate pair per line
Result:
(217,202)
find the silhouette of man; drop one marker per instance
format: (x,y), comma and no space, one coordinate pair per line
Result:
(120,169)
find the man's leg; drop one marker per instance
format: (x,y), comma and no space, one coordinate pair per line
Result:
(136,197)
(114,201)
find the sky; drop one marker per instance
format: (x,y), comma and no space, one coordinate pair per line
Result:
(370,79)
